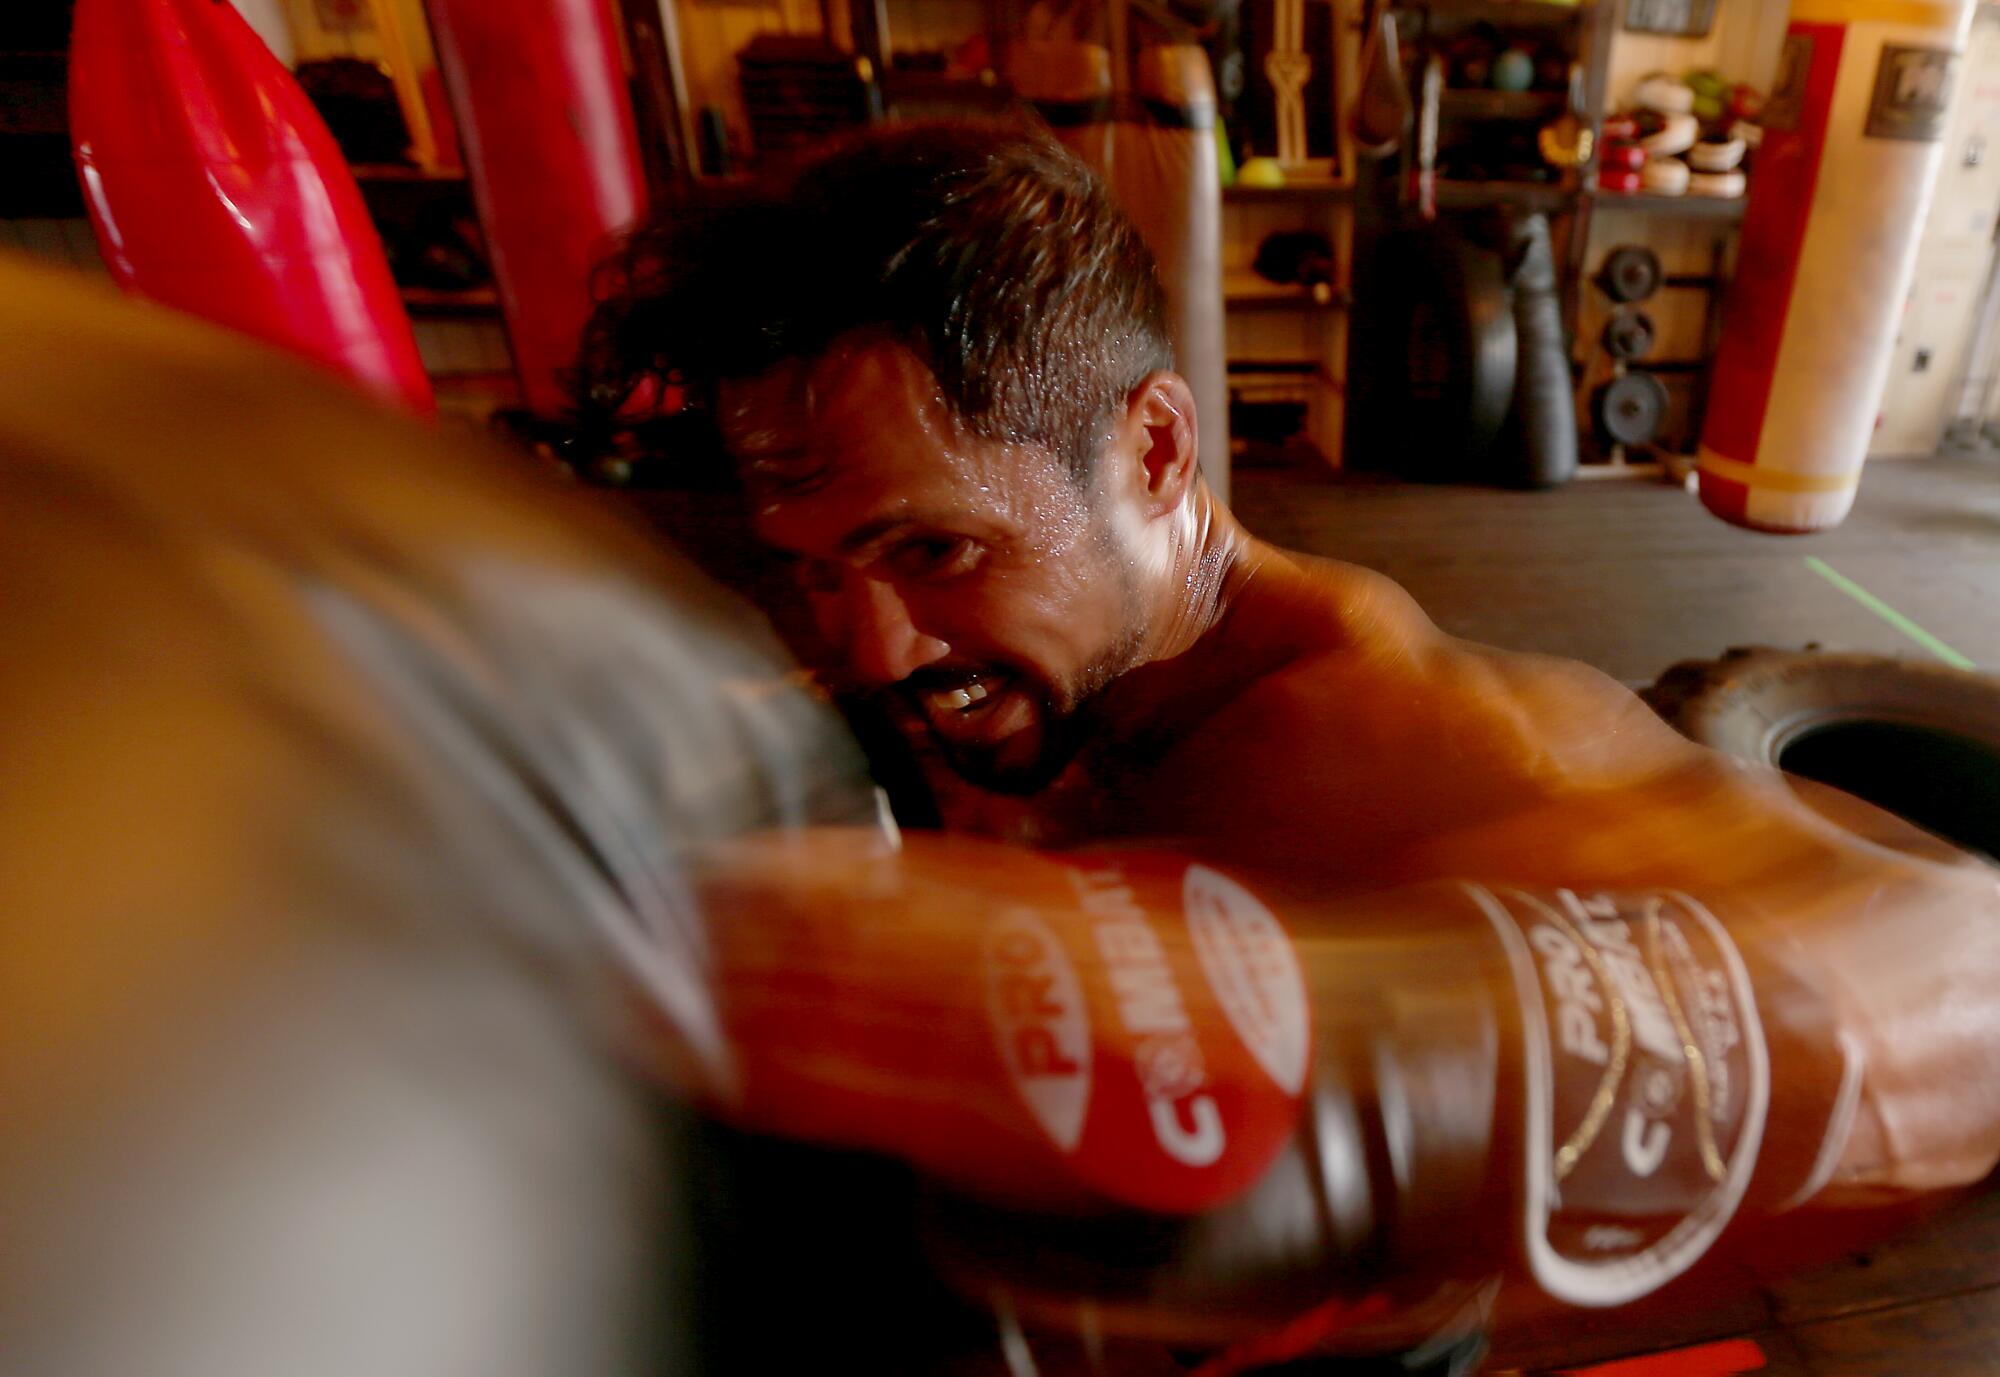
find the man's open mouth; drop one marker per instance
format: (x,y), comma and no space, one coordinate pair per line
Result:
(971,710)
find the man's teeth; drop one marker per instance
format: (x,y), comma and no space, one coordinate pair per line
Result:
(959,699)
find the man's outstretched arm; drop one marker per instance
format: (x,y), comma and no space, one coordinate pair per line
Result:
(1582,1086)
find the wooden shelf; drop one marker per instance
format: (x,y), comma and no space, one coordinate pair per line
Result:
(1527,195)
(1475,104)
(1291,192)
(1686,207)
(1243,290)
(1517,13)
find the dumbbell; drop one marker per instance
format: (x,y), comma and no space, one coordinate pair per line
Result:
(1665,176)
(1618,155)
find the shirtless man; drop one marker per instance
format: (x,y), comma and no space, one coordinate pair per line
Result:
(937,360)
(957,415)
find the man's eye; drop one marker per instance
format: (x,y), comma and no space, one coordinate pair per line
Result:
(934,558)
(814,575)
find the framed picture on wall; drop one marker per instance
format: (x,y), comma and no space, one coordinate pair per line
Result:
(1686,18)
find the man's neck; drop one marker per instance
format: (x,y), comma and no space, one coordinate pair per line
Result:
(1212,560)
(1201,651)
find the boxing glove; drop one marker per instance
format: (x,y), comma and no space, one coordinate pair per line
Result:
(1147,1095)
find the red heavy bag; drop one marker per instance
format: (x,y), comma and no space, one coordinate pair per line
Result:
(214,187)
(548,137)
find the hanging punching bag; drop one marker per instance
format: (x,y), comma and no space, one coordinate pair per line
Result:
(1541,426)
(1069,84)
(1164,173)
(547,132)
(214,187)
(1829,242)
(1157,153)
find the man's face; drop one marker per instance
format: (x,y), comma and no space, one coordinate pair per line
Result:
(972,577)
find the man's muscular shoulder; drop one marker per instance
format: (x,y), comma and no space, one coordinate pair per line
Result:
(1323,605)
(1376,729)
(1374,661)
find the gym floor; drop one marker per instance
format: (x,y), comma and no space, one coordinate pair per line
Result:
(1632,577)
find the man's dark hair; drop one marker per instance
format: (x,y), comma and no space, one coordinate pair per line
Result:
(986,247)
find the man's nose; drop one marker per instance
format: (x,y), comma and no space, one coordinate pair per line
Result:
(871,626)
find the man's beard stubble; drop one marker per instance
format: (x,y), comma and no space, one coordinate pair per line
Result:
(1068,718)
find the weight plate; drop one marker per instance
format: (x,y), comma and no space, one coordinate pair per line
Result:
(1716,155)
(1631,409)
(1620,156)
(1613,179)
(1676,137)
(1665,176)
(1664,93)
(1631,272)
(1628,335)
(1722,185)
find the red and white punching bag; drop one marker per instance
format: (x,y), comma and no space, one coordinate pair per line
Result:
(546,127)
(1837,204)
(214,187)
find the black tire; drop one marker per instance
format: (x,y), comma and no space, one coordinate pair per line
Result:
(1446,318)
(1919,740)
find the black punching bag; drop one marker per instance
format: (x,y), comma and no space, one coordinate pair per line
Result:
(1539,444)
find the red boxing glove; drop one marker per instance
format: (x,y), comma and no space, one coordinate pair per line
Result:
(1149,1095)
(1127,1030)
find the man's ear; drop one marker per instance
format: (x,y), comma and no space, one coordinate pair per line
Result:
(1160,426)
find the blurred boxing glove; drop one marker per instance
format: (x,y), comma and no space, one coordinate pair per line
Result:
(348,774)
(1163,1110)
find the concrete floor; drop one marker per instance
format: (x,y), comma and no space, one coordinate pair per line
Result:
(1632,576)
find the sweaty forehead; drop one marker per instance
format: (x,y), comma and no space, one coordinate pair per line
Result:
(861,441)
(865,401)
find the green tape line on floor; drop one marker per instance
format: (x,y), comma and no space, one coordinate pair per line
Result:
(1888,613)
